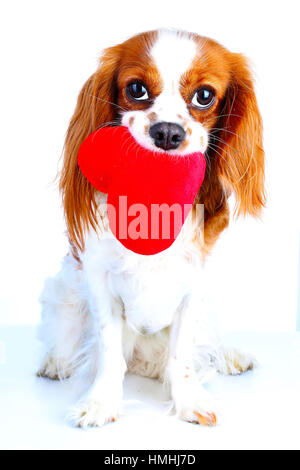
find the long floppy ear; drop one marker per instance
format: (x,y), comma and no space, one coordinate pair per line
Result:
(240,155)
(235,157)
(95,107)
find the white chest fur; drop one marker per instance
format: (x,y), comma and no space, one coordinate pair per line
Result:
(151,288)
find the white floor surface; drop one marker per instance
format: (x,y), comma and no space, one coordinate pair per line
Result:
(260,409)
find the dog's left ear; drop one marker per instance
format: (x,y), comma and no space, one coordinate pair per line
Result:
(240,154)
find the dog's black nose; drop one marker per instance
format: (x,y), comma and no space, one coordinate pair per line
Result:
(167,135)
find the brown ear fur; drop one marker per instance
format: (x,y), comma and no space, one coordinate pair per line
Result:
(94,108)
(235,157)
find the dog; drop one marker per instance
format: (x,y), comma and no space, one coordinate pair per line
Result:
(110,310)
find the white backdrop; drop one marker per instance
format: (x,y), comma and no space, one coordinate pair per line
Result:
(48,49)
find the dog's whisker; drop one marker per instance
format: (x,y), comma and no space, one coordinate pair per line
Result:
(108,102)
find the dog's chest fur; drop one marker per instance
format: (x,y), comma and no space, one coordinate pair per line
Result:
(150,288)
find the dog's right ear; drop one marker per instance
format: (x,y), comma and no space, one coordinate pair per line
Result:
(96,107)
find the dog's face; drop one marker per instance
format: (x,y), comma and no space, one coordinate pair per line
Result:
(171,87)
(178,93)
(170,93)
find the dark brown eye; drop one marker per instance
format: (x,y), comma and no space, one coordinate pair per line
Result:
(137,91)
(204,98)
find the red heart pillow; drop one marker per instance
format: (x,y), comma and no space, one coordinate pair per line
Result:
(150,193)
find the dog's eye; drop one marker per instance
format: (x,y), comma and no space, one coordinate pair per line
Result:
(137,91)
(204,98)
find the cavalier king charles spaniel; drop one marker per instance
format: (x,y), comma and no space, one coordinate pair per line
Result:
(110,310)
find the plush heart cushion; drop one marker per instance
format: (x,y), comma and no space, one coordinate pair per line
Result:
(150,194)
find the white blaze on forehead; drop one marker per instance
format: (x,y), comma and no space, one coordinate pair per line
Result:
(173,54)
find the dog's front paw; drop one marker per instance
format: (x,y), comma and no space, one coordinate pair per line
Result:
(198,412)
(194,404)
(94,412)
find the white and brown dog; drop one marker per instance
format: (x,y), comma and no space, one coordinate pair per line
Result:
(110,310)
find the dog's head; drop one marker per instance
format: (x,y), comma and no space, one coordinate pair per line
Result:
(178,93)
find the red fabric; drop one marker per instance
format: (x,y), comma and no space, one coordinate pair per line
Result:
(114,163)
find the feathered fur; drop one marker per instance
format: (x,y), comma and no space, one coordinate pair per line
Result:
(109,309)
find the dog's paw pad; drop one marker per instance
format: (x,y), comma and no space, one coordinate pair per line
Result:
(93,413)
(207,419)
(54,369)
(46,375)
(48,369)
(195,405)
(237,362)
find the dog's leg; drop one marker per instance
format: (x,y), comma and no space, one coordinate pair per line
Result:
(103,401)
(192,402)
(65,320)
